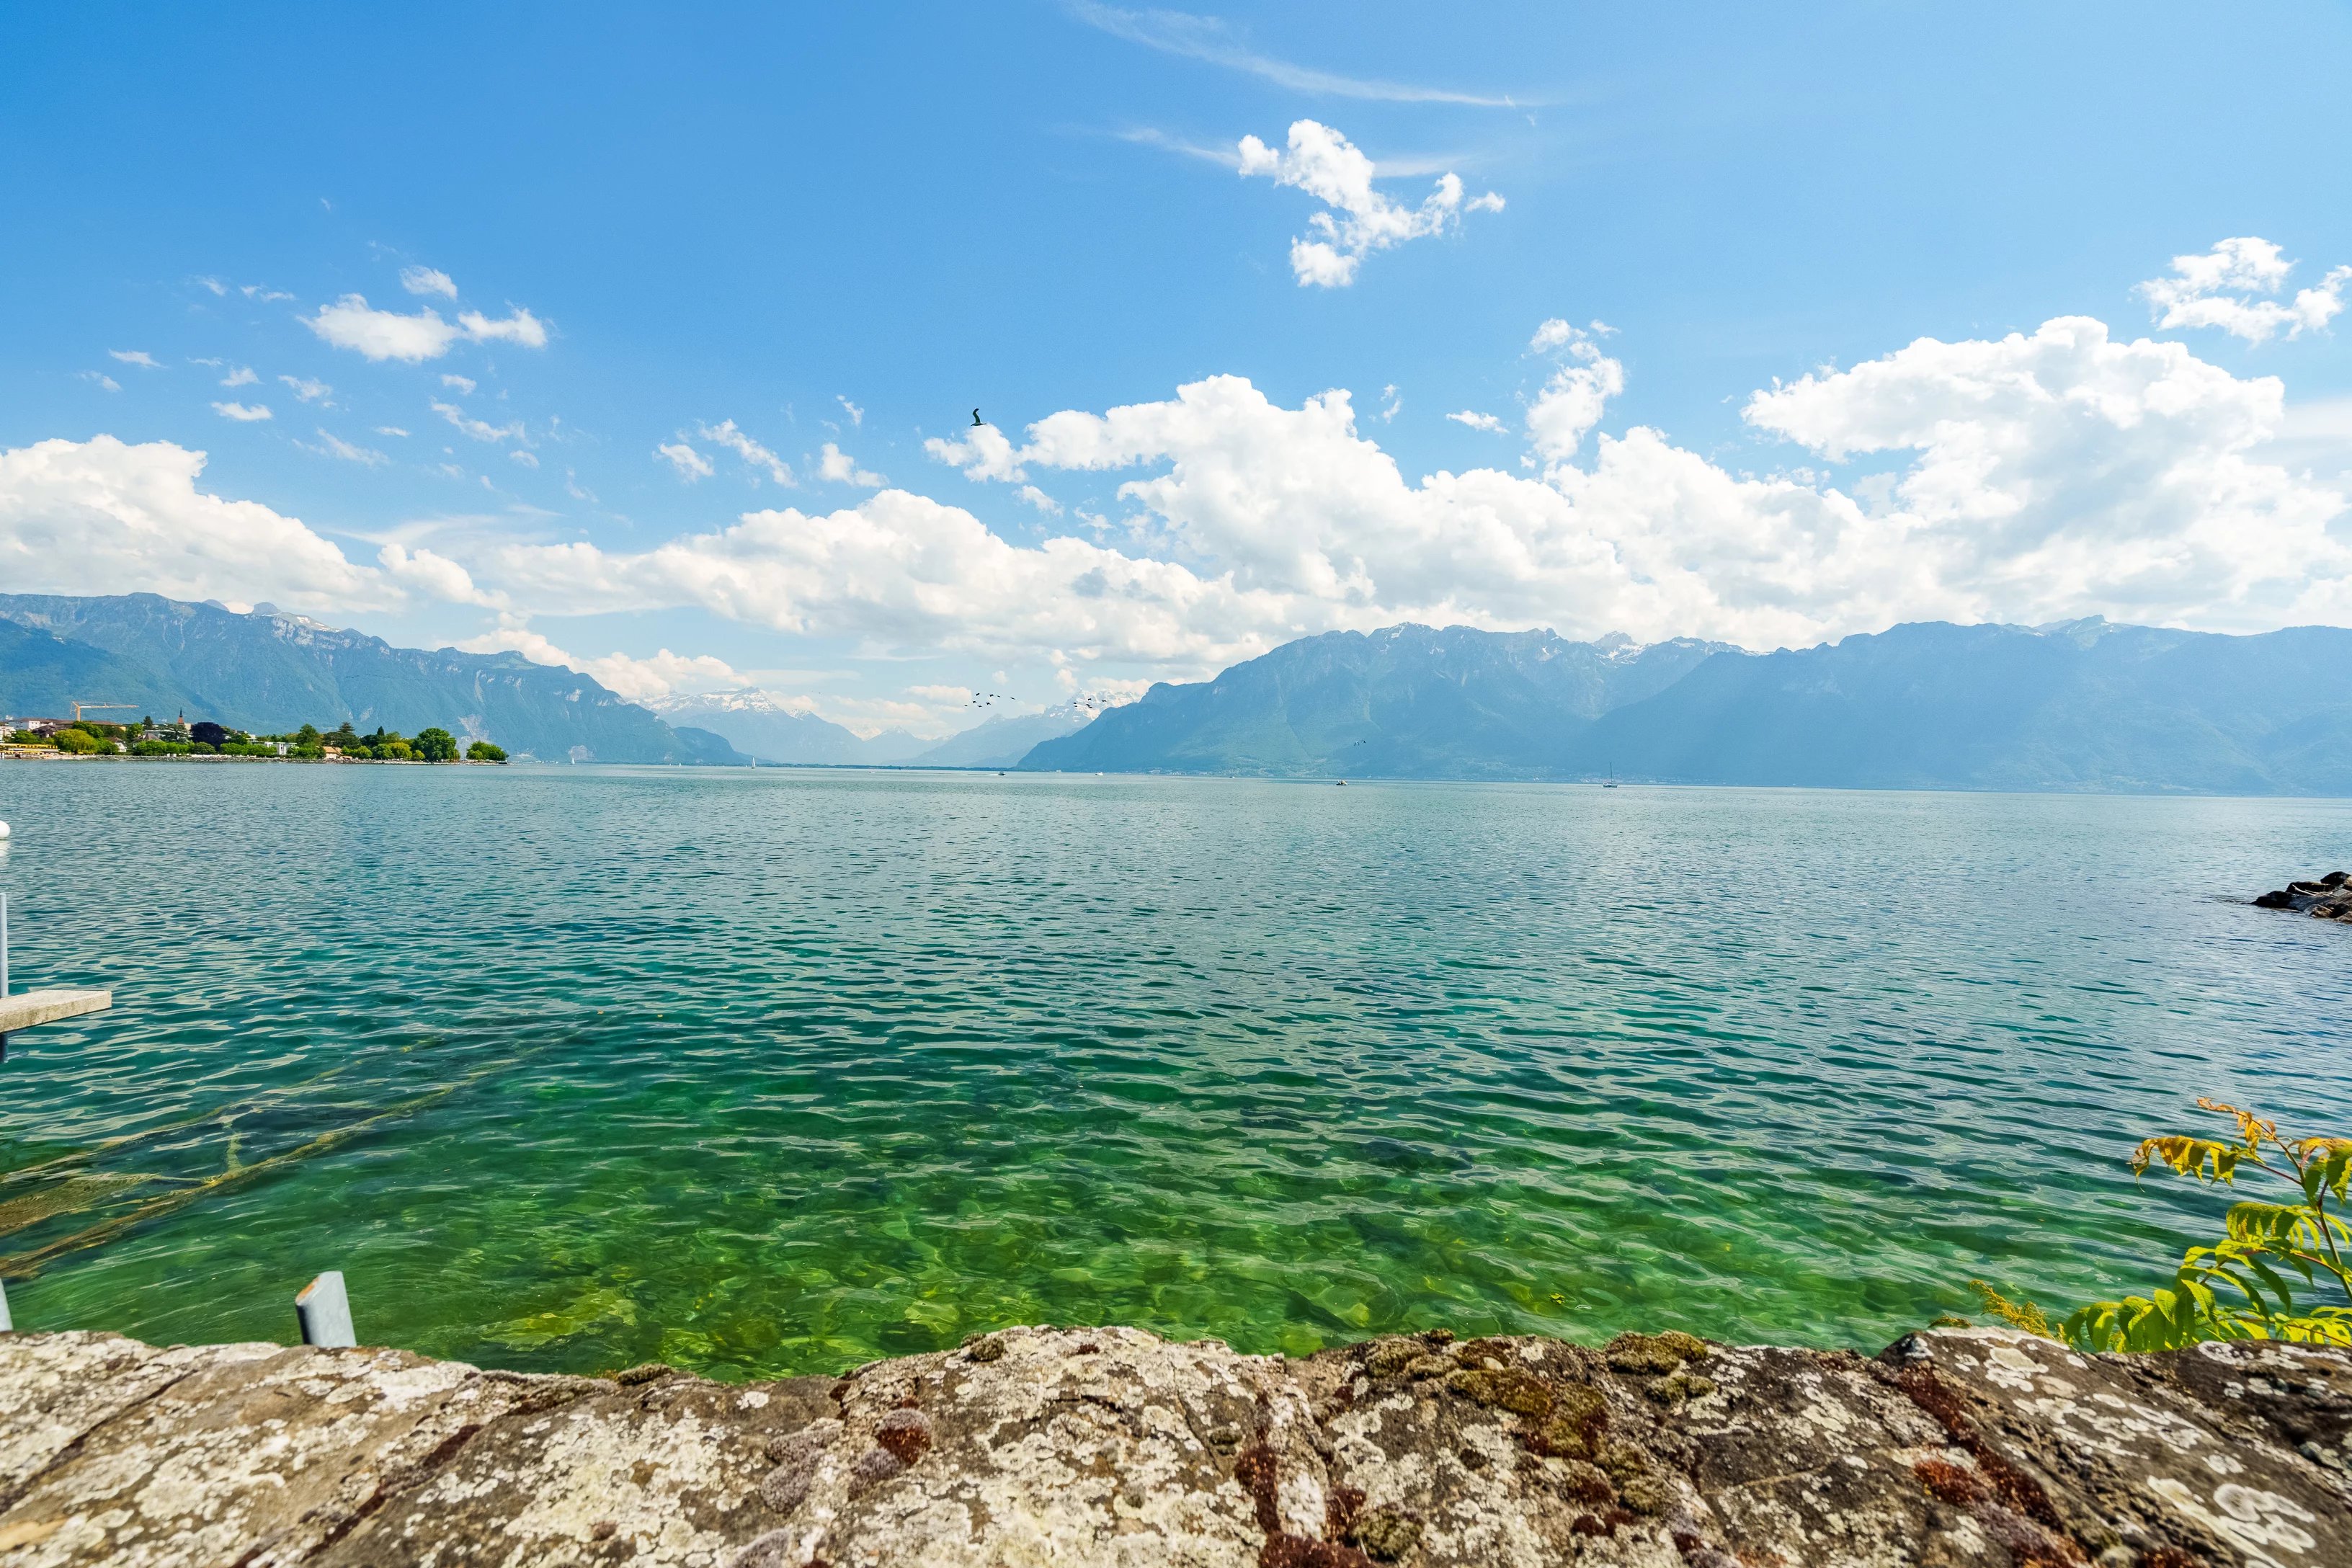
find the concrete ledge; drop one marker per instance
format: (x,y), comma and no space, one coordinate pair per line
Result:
(1961,1448)
(27,1008)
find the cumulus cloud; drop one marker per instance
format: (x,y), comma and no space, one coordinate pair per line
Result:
(434,575)
(76,513)
(1360,219)
(2038,477)
(665,674)
(837,467)
(243,412)
(756,456)
(1477,421)
(306,389)
(242,376)
(519,326)
(427,281)
(139,357)
(690,463)
(1030,495)
(1571,402)
(351,322)
(464,384)
(2227,287)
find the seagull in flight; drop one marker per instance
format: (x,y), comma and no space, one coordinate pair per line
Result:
(976,420)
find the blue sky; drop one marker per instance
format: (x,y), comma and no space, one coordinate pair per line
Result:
(715,229)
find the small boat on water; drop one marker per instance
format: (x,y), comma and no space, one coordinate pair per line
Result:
(1611,781)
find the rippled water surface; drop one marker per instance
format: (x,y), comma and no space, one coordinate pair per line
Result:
(570,1069)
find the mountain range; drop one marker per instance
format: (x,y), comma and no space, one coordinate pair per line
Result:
(2084,705)
(273,671)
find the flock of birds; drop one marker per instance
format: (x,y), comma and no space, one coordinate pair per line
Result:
(1092,701)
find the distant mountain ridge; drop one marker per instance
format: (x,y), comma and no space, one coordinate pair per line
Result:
(760,724)
(270,671)
(2085,705)
(1405,701)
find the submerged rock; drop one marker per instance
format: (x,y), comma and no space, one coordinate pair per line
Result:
(2328,899)
(1112,1446)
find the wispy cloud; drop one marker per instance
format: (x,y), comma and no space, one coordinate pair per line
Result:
(139,357)
(480,430)
(329,444)
(307,390)
(427,281)
(1211,39)
(244,414)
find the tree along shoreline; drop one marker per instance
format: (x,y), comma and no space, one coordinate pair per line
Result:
(206,740)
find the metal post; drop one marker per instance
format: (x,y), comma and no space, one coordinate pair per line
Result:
(325,1313)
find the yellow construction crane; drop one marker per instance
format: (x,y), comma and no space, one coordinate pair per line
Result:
(98,707)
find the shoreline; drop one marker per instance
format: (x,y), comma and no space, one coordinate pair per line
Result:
(1112,1446)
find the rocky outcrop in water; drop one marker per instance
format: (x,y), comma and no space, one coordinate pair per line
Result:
(1113,1447)
(2328,899)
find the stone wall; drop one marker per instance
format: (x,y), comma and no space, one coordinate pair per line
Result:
(1113,1447)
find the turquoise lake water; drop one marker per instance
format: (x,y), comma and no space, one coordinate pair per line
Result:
(756,1073)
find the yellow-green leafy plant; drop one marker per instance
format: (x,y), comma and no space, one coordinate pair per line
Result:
(2278,1272)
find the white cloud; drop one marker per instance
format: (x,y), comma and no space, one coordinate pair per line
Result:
(2221,288)
(139,357)
(518,327)
(1391,404)
(690,463)
(464,384)
(101,379)
(76,513)
(427,281)
(215,284)
(241,377)
(2039,477)
(479,429)
(435,575)
(351,323)
(856,414)
(1208,38)
(1033,496)
(264,294)
(308,390)
(244,414)
(665,674)
(1327,166)
(390,430)
(1571,402)
(332,446)
(575,490)
(982,452)
(837,467)
(525,459)
(1477,421)
(754,454)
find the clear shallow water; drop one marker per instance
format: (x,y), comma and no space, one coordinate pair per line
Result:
(777,1072)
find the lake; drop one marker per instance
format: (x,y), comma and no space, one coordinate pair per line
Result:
(776,1072)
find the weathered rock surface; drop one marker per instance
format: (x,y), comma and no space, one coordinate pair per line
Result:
(2328,899)
(1110,1445)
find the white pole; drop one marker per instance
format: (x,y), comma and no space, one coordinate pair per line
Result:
(7,1326)
(325,1312)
